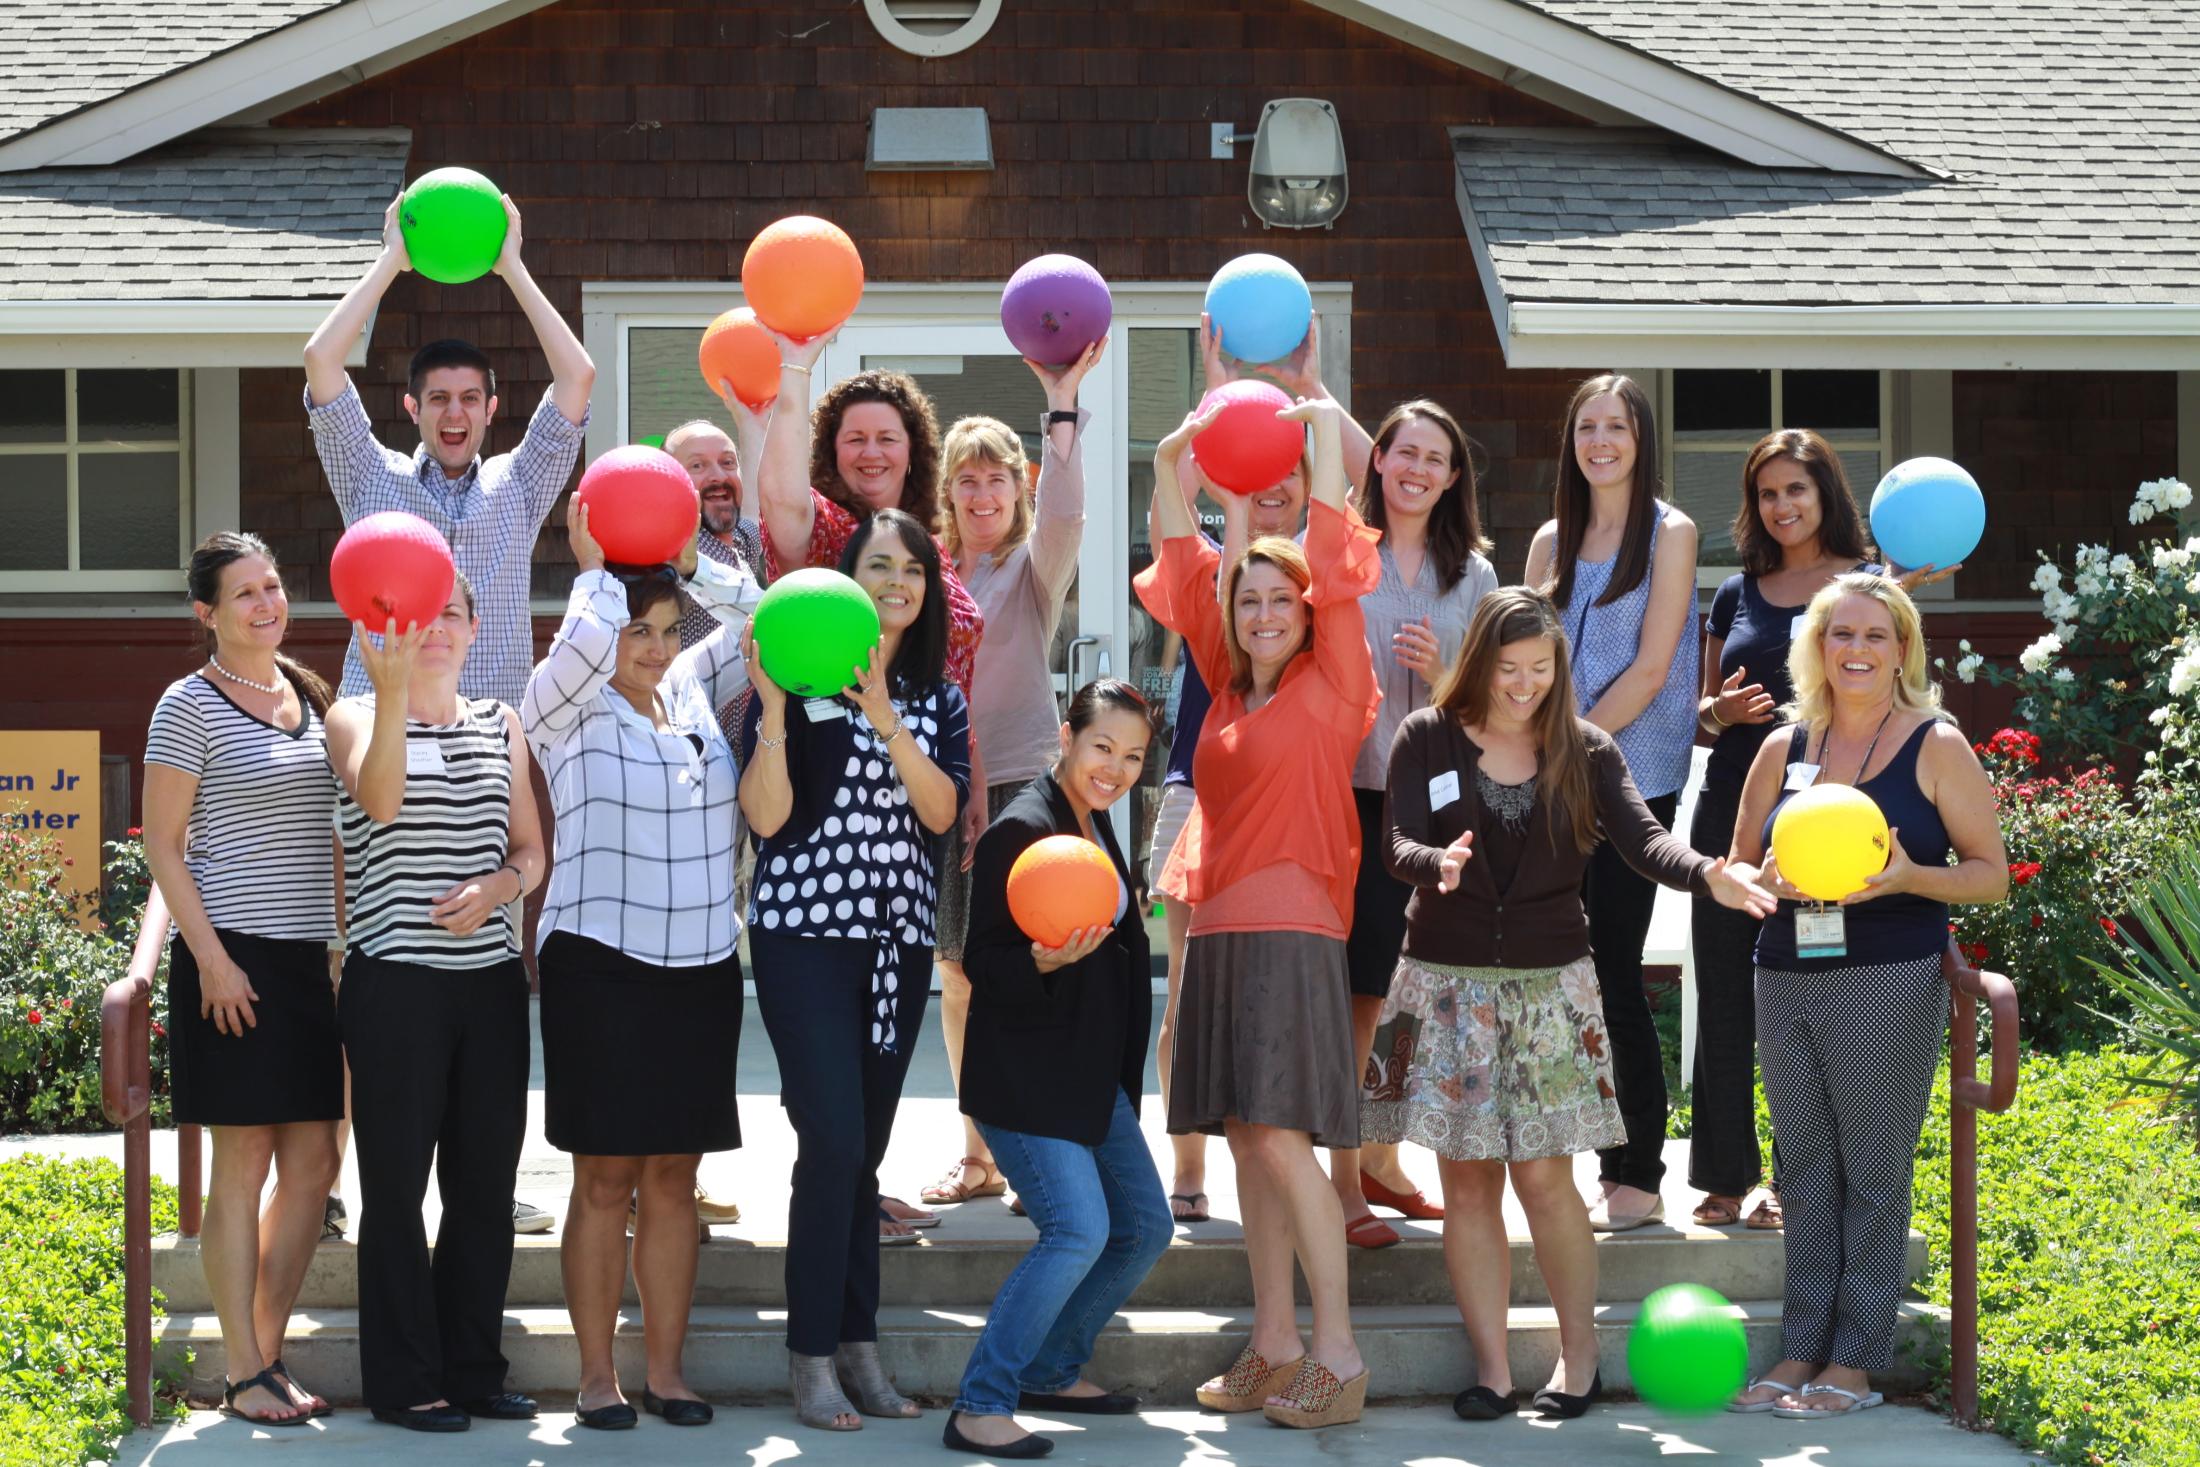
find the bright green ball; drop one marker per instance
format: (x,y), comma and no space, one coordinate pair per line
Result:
(1687,1351)
(453,223)
(814,628)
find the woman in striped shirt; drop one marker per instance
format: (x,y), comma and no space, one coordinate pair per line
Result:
(440,840)
(237,805)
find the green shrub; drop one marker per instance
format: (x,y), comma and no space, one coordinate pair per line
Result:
(2089,1266)
(64,1398)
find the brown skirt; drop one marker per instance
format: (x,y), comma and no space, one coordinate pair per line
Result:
(1264,1035)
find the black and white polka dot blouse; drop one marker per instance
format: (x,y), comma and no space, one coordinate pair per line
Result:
(852,860)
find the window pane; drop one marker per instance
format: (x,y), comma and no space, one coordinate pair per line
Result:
(1829,401)
(664,387)
(127,511)
(127,406)
(1721,404)
(1863,466)
(1709,487)
(34,504)
(32,407)
(977,386)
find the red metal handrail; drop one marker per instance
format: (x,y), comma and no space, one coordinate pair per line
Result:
(1967,1096)
(126,1094)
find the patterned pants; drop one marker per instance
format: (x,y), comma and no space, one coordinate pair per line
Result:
(1848,1059)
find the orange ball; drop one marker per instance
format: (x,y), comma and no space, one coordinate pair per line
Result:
(1059,884)
(737,349)
(803,276)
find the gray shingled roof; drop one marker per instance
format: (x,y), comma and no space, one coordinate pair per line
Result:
(59,56)
(224,215)
(2068,137)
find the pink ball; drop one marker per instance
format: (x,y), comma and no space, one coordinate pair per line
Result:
(389,567)
(1055,307)
(1247,448)
(641,505)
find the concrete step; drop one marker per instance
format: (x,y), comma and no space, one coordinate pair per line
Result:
(1201,1274)
(735,1353)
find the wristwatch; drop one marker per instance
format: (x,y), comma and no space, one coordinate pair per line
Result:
(1068,417)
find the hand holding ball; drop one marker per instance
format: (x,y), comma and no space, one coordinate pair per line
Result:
(1247,448)
(641,505)
(1827,839)
(1927,512)
(738,350)
(813,628)
(1687,1352)
(1060,885)
(453,223)
(390,567)
(1260,308)
(1055,307)
(802,276)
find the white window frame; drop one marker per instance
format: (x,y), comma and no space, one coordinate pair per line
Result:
(162,578)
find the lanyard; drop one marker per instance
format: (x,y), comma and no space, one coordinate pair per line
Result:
(1869,749)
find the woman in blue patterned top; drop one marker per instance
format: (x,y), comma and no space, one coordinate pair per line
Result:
(1621,565)
(845,796)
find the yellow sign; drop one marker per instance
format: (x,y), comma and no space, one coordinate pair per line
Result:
(49,791)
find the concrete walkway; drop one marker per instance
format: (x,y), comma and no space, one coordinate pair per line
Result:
(1422,1436)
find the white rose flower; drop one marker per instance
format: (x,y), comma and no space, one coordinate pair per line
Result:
(2047,578)
(1967,668)
(2064,632)
(2089,583)
(2036,657)
(2192,587)
(2176,494)
(2121,566)
(2140,513)
(2171,557)
(2091,555)
(2159,716)
(2065,675)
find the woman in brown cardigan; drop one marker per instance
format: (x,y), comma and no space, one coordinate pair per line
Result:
(1491,1049)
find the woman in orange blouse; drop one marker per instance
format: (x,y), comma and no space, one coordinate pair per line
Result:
(1268,859)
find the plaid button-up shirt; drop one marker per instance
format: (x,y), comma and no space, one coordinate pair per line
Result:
(490,515)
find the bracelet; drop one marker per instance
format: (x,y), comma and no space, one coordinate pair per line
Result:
(794,367)
(763,743)
(1060,417)
(517,874)
(885,739)
(1712,708)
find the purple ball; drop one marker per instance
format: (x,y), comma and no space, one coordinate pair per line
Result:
(1055,307)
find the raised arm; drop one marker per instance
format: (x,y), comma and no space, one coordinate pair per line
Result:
(1302,376)
(783,470)
(1669,617)
(1058,511)
(366,747)
(586,648)
(325,348)
(572,372)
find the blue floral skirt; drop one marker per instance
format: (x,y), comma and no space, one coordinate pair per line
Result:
(1492,1064)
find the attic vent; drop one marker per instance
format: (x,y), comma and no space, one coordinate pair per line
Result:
(933,27)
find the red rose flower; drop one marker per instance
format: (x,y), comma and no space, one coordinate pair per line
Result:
(68,1003)
(163,1033)
(2022,872)
(134,831)
(2038,920)
(2108,926)
(36,1017)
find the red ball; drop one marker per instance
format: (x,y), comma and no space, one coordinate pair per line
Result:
(803,276)
(1247,448)
(641,505)
(736,348)
(1060,884)
(391,566)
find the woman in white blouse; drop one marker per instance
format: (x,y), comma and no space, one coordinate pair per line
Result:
(641,983)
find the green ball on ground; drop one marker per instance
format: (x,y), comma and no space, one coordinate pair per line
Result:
(453,223)
(1687,1352)
(814,628)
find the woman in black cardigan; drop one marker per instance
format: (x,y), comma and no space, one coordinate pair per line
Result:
(1054,1059)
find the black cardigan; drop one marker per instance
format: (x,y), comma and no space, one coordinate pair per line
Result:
(1044,1053)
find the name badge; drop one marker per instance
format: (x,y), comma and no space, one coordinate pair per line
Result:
(1801,776)
(823,710)
(1797,623)
(423,756)
(1821,932)
(1443,790)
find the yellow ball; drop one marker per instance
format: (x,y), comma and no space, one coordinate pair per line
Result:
(1827,839)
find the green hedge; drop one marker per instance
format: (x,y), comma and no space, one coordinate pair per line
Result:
(2089,1266)
(64,1398)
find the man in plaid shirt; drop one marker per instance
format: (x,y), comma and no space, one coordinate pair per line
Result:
(490,510)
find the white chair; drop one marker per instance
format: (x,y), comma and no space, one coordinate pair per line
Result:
(1669,941)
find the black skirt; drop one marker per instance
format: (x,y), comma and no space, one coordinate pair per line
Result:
(1378,906)
(637,1060)
(287,1066)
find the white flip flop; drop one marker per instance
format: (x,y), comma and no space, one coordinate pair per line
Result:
(1757,1408)
(1857,1402)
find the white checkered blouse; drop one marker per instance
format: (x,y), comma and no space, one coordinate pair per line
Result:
(646,821)
(490,514)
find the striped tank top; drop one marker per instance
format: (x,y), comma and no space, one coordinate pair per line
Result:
(452,826)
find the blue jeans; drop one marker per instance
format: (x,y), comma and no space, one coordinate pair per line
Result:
(1103,1222)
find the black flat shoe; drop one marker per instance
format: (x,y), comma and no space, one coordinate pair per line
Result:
(503,1406)
(1558,1403)
(1114,1403)
(1029,1449)
(677,1411)
(1480,1403)
(617,1416)
(430,1418)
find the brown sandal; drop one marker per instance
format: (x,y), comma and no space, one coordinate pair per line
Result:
(1717,1210)
(947,1189)
(1248,1383)
(1318,1398)
(1766,1216)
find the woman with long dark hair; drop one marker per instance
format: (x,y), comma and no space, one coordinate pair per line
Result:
(1620,565)
(841,932)
(238,804)
(1491,1048)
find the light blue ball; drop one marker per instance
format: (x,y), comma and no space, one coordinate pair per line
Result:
(1927,511)
(1260,307)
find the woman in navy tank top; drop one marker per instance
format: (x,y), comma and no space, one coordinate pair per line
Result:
(1849,1042)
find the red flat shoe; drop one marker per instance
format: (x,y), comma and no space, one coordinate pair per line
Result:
(1414,1205)
(1370,1232)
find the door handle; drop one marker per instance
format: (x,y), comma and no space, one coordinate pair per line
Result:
(1076,644)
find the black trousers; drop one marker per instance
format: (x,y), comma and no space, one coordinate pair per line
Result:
(1619,902)
(438,1077)
(1722,1151)
(841,1094)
